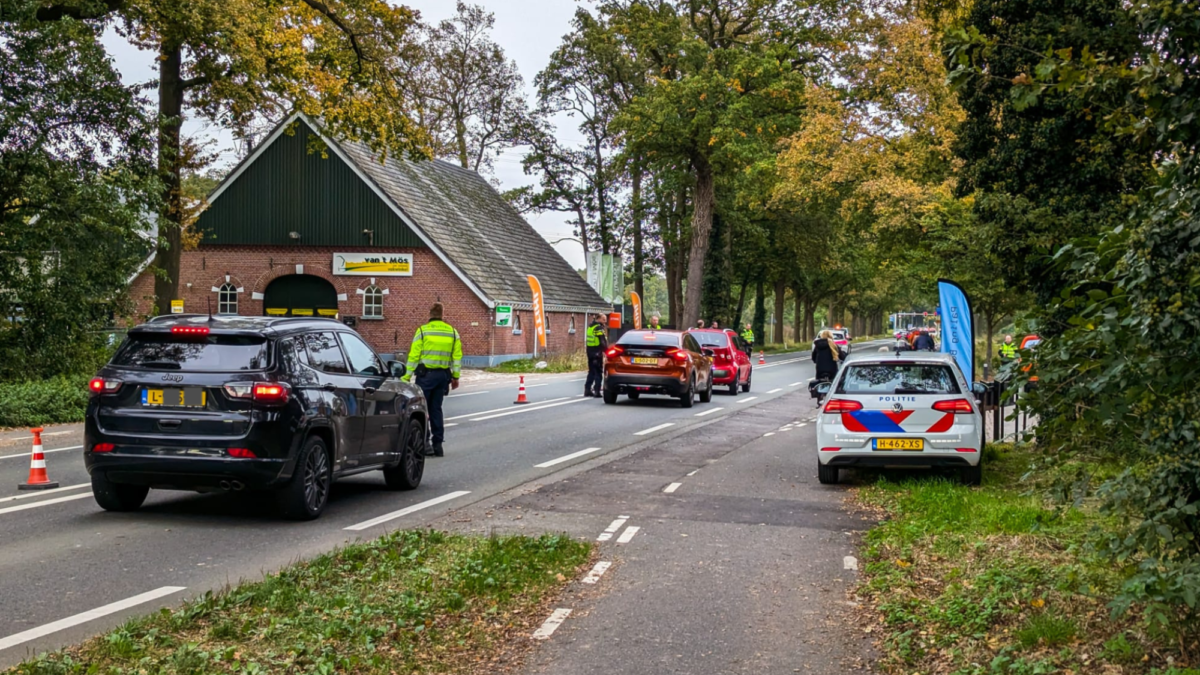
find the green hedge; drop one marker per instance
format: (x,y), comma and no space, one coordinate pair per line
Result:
(51,401)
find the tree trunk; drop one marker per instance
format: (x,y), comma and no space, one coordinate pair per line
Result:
(991,320)
(460,139)
(810,320)
(760,313)
(741,303)
(702,220)
(639,257)
(170,111)
(780,296)
(798,316)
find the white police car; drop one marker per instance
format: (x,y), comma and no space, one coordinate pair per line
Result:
(901,409)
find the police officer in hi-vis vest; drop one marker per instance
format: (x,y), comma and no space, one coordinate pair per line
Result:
(436,360)
(597,342)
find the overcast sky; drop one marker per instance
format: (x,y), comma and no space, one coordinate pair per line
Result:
(528,30)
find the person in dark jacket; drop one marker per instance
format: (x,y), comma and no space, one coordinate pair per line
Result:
(924,342)
(825,355)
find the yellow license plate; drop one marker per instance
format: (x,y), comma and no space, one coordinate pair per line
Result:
(910,444)
(192,397)
(641,361)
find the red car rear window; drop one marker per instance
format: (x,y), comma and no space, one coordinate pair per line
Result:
(711,339)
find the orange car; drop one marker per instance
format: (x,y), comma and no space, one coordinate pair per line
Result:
(664,362)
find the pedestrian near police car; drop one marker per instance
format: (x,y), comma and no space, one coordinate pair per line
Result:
(435,360)
(597,342)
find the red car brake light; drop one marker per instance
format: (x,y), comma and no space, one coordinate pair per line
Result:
(189,330)
(958,406)
(841,405)
(615,351)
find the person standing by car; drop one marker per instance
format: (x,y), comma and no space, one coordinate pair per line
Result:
(924,342)
(597,342)
(700,324)
(825,355)
(748,336)
(1008,350)
(655,323)
(435,359)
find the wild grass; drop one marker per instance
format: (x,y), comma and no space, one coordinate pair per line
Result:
(559,362)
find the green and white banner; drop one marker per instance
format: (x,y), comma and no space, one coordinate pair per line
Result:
(606,274)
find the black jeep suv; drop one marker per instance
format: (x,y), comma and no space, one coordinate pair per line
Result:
(193,402)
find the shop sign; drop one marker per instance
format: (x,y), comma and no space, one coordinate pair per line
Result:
(504,316)
(373,264)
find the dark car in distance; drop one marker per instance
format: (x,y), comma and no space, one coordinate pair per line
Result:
(209,404)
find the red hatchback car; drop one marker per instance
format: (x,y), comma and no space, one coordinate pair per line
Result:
(730,357)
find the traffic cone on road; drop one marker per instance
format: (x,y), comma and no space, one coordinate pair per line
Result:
(762,358)
(38,480)
(521,393)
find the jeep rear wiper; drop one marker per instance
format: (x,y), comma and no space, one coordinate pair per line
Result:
(167,365)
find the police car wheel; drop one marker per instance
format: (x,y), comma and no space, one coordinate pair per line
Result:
(828,475)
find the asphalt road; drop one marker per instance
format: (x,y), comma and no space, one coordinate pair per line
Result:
(69,570)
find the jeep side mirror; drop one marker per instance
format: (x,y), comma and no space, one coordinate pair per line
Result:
(398,369)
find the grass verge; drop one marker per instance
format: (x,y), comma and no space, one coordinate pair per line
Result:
(996,581)
(570,362)
(411,602)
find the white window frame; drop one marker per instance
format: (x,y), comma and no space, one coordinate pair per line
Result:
(371,294)
(516,323)
(227,290)
(571,331)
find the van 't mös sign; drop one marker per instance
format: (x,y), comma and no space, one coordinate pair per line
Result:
(373,264)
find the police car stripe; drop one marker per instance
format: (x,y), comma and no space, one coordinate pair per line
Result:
(877,421)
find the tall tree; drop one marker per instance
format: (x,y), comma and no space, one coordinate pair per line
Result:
(230,61)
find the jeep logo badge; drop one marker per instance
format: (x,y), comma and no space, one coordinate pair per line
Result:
(172,378)
(897,407)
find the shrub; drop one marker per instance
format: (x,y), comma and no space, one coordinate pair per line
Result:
(51,401)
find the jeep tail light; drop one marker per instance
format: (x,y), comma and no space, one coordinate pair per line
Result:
(615,351)
(958,406)
(99,385)
(103,447)
(270,392)
(841,405)
(241,453)
(677,354)
(189,330)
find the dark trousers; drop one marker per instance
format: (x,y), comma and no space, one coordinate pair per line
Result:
(436,384)
(595,378)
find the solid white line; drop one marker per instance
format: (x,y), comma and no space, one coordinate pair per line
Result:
(508,407)
(850,563)
(672,487)
(48,502)
(565,458)
(747,400)
(44,452)
(557,617)
(775,391)
(795,384)
(651,430)
(612,528)
(709,412)
(43,493)
(84,617)
(518,411)
(628,534)
(544,384)
(597,572)
(471,393)
(405,511)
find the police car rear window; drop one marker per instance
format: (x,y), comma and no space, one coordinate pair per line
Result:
(212,353)
(898,378)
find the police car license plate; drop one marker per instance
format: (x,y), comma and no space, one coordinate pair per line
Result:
(909,444)
(190,397)
(645,361)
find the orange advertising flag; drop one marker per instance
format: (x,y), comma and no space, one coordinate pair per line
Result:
(539,310)
(637,310)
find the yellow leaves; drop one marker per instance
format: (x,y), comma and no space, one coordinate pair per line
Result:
(1022,79)
(903,564)
(704,96)
(712,141)
(1038,603)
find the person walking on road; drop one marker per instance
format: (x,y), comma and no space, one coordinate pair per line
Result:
(435,359)
(748,336)
(924,342)
(825,355)
(655,323)
(597,342)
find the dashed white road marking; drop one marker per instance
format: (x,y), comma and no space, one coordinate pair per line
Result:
(43,493)
(775,391)
(452,424)
(84,617)
(769,433)
(651,430)
(612,529)
(672,487)
(850,563)
(471,393)
(405,511)
(597,572)
(693,473)
(518,411)
(508,407)
(802,424)
(747,400)
(48,502)
(628,535)
(557,617)
(565,458)
(45,452)
(795,384)
(709,412)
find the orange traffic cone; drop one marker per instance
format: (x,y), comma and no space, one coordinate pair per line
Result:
(38,480)
(762,358)
(521,393)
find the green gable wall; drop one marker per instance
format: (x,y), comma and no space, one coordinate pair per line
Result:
(288,189)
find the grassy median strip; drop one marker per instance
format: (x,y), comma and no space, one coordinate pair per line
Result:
(411,602)
(567,362)
(996,580)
